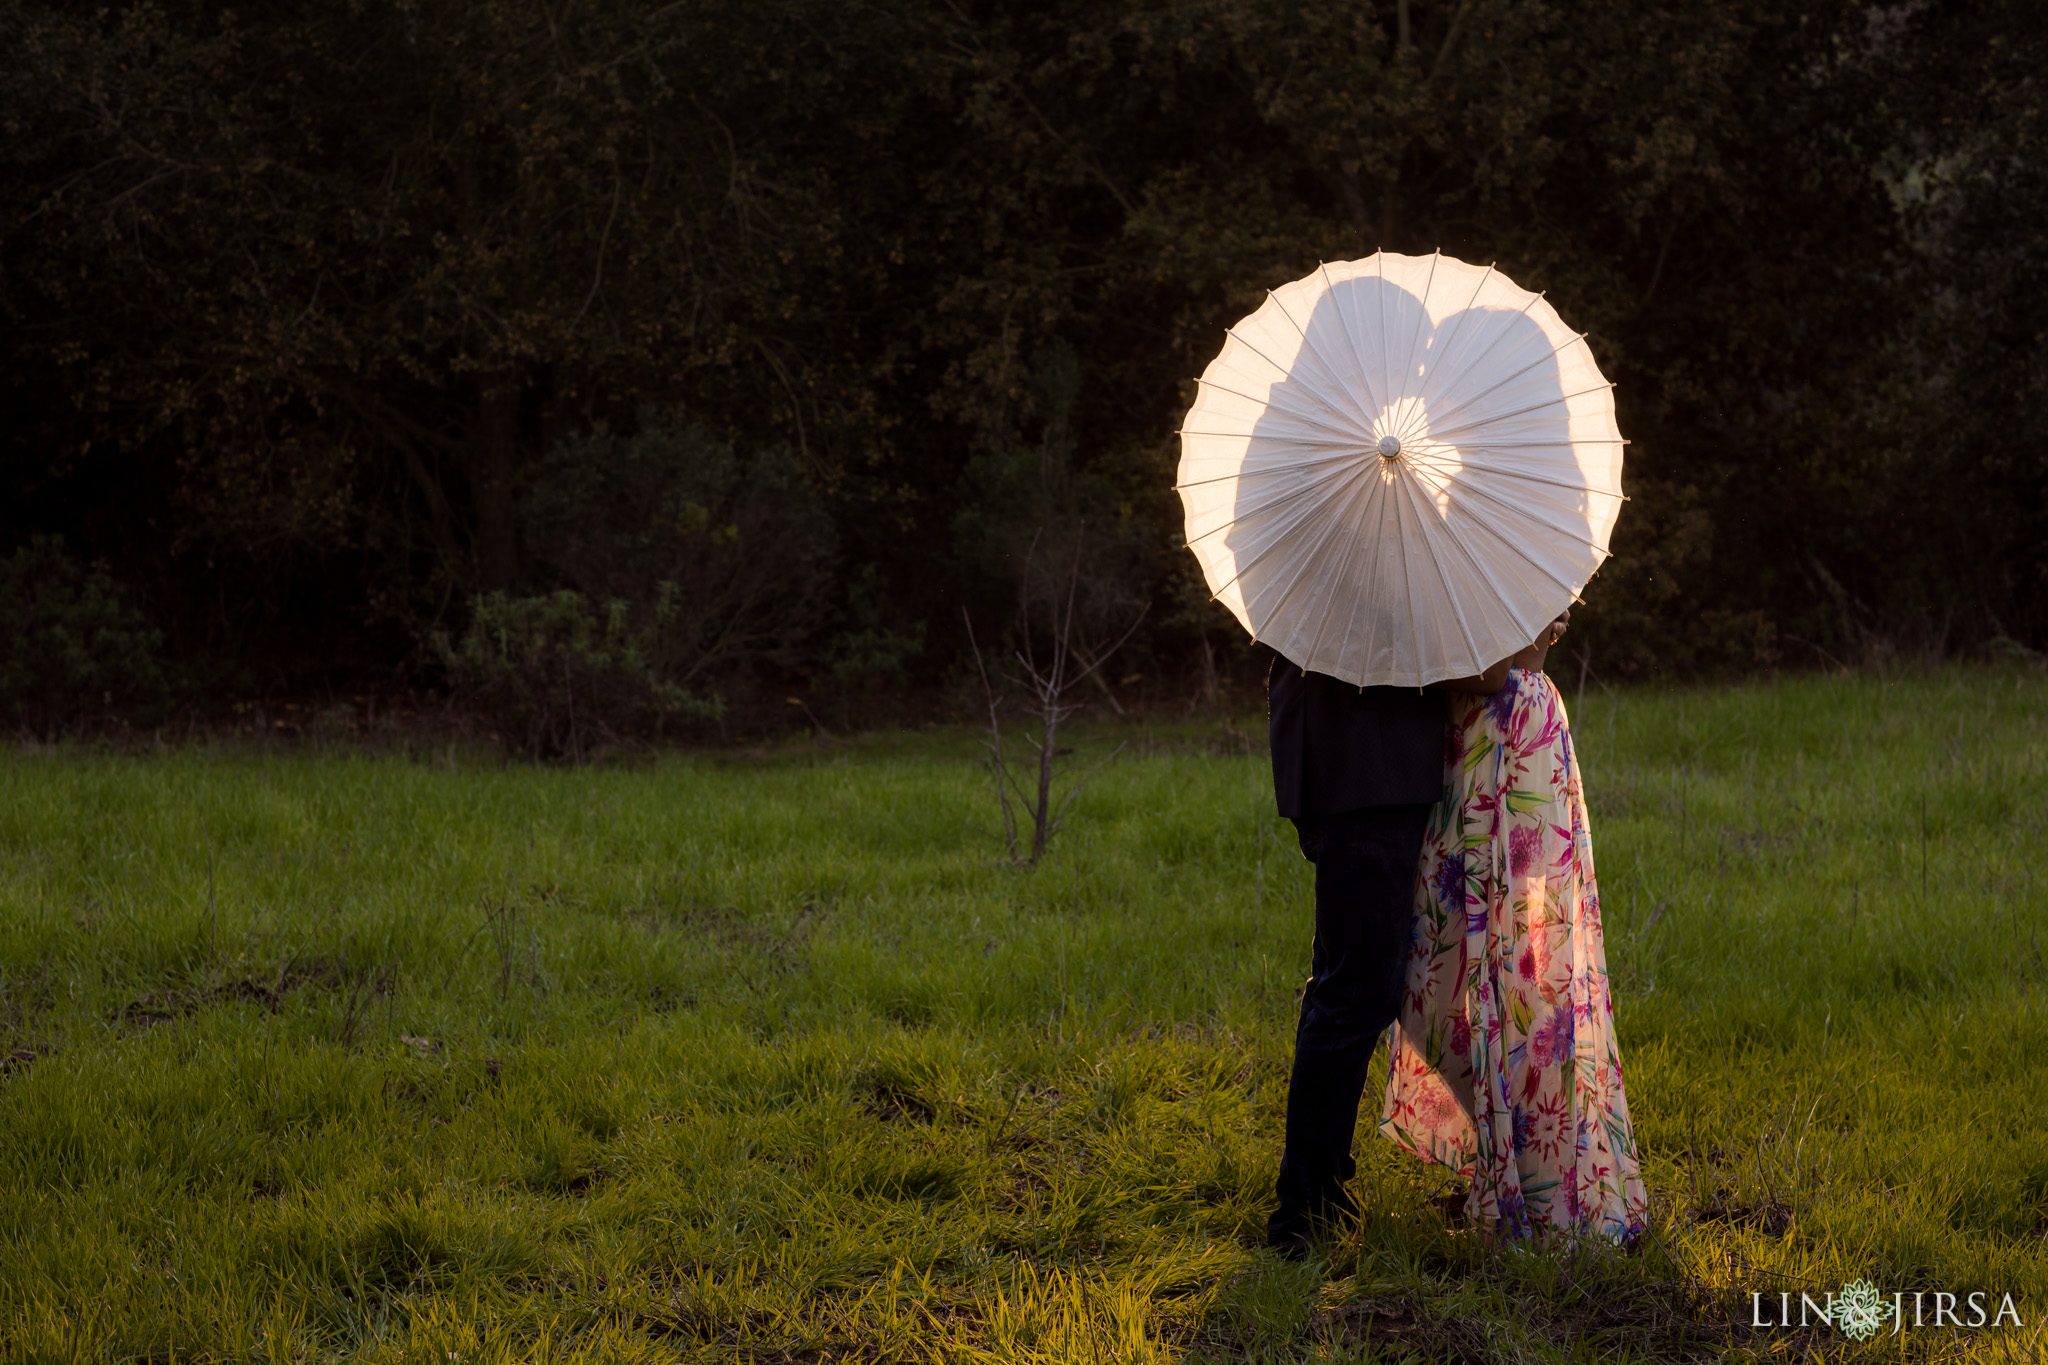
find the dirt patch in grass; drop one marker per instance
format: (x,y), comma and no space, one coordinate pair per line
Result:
(893,1103)
(355,984)
(1767,1213)
(21,1058)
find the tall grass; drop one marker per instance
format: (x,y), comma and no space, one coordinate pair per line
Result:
(329,1056)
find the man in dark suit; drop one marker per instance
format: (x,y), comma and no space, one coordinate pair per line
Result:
(1357,770)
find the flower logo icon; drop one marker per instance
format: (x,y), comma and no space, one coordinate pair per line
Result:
(1859,1309)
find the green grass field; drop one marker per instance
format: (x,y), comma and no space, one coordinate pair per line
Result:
(321,1056)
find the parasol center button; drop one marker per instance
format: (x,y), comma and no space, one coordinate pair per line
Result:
(1390,447)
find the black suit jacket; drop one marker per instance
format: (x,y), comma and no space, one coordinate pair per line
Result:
(1339,747)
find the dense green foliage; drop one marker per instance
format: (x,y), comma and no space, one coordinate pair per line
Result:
(560,675)
(71,643)
(331,1056)
(299,299)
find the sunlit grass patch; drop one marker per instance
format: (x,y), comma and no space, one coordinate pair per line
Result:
(337,1057)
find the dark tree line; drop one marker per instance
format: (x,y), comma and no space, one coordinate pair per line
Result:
(334,328)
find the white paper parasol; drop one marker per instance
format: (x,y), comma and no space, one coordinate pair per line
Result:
(1398,469)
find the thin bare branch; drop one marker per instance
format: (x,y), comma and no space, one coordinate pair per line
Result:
(1048,675)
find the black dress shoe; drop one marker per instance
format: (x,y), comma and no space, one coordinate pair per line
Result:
(1293,1230)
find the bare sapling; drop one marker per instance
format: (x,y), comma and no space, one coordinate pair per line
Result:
(1047,671)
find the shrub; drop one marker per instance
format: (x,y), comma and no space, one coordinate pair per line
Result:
(676,566)
(559,675)
(727,554)
(875,648)
(70,643)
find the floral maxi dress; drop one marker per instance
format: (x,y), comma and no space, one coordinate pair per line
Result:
(1505,1066)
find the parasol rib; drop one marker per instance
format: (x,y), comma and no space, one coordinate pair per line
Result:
(1519,552)
(1379,259)
(1353,444)
(1458,327)
(1232,333)
(1466,401)
(1366,490)
(1306,559)
(1246,516)
(1523,512)
(1271,405)
(1418,619)
(1518,412)
(1487,349)
(1246,565)
(1478,566)
(1421,316)
(1309,345)
(1429,552)
(1521,475)
(1351,341)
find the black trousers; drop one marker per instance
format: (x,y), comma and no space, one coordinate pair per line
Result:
(1365,911)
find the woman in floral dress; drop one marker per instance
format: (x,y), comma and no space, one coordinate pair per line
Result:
(1505,1067)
